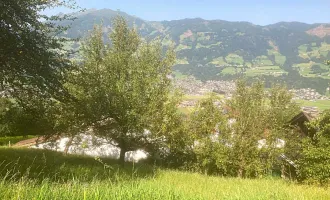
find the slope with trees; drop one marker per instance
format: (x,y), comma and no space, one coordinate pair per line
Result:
(209,47)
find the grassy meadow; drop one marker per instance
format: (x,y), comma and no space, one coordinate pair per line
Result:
(40,174)
(320,104)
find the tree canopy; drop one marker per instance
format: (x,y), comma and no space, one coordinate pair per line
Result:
(313,165)
(123,87)
(242,136)
(31,53)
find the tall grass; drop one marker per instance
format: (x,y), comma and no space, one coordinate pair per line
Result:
(38,174)
(40,165)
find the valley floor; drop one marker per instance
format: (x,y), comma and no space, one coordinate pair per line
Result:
(40,174)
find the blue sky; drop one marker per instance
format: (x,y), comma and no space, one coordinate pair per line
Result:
(255,11)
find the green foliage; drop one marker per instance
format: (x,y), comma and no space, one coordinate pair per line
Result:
(123,88)
(173,148)
(281,106)
(314,165)
(204,123)
(32,54)
(248,111)
(230,144)
(35,116)
(318,70)
(205,117)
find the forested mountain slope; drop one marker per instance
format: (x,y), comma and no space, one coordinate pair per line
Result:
(217,49)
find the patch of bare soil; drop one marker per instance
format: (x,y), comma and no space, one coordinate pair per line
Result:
(320,31)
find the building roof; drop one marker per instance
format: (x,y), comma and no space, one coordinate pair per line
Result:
(300,118)
(300,121)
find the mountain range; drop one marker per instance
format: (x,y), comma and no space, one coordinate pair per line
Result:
(292,52)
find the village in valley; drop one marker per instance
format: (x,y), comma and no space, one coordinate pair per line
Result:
(195,90)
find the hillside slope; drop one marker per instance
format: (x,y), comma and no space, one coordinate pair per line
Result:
(217,49)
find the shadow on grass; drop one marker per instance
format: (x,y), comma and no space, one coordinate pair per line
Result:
(38,165)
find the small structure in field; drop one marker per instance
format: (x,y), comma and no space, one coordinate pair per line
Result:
(299,124)
(300,121)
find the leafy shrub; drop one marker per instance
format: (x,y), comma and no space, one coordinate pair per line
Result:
(314,164)
(229,144)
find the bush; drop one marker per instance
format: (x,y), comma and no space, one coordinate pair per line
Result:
(229,144)
(314,164)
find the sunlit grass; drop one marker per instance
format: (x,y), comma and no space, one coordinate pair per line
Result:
(321,104)
(275,70)
(133,182)
(234,59)
(229,70)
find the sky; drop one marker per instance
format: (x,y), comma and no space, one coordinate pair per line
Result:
(255,11)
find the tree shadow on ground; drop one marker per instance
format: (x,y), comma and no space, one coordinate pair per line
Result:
(38,165)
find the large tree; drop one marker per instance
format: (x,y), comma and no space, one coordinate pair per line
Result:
(248,139)
(259,128)
(31,52)
(33,64)
(206,122)
(123,87)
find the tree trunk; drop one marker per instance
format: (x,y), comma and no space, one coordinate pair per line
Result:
(283,171)
(240,172)
(123,148)
(67,146)
(122,156)
(241,167)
